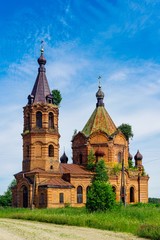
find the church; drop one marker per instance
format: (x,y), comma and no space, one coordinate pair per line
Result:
(47,181)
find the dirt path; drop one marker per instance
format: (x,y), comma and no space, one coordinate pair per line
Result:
(11,229)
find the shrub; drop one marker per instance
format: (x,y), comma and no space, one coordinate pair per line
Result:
(91,161)
(57,98)
(100,197)
(149,231)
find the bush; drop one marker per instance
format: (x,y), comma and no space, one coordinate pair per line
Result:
(57,98)
(91,161)
(149,231)
(100,197)
(6,199)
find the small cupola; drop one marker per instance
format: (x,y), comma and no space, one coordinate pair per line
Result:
(130,156)
(99,95)
(138,159)
(64,158)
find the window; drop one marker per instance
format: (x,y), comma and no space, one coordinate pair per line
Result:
(27,122)
(61,198)
(51,120)
(79,194)
(80,158)
(42,198)
(132,194)
(51,167)
(119,157)
(27,148)
(51,151)
(16,201)
(39,119)
(114,190)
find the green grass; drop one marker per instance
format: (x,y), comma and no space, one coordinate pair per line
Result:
(140,219)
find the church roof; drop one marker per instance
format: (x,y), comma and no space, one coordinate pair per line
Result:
(41,88)
(73,169)
(56,183)
(99,120)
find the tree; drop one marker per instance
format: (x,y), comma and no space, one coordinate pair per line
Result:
(130,163)
(6,199)
(101,173)
(91,161)
(100,196)
(126,129)
(57,98)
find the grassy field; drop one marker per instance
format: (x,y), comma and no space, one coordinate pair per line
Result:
(140,219)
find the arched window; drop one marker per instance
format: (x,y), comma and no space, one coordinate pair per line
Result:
(51,167)
(79,194)
(51,120)
(51,151)
(27,150)
(114,190)
(80,158)
(16,201)
(132,194)
(39,119)
(119,157)
(61,198)
(42,198)
(25,197)
(28,121)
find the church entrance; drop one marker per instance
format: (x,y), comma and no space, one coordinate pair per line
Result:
(25,197)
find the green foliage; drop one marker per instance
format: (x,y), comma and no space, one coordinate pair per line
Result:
(101,173)
(100,197)
(143,172)
(126,129)
(116,169)
(149,231)
(57,98)
(6,199)
(154,200)
(130,163)
(91,161)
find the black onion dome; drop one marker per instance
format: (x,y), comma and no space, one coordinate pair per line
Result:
(64,158)
(100,96)
(138,156)
(99,93)
(41,59)
(130,156)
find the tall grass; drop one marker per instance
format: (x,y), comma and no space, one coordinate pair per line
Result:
(139,219)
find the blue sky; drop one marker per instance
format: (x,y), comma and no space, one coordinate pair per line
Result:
(119,40)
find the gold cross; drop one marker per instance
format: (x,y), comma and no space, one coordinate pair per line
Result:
(99,81)
(42,46)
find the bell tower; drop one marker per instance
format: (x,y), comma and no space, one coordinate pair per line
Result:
(40,133)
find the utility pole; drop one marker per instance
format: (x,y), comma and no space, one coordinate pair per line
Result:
(123,190)
(34,184)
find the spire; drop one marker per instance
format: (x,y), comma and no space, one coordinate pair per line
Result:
(41,92)
(99,95)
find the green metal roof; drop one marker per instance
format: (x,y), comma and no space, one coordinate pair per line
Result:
(99,120)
